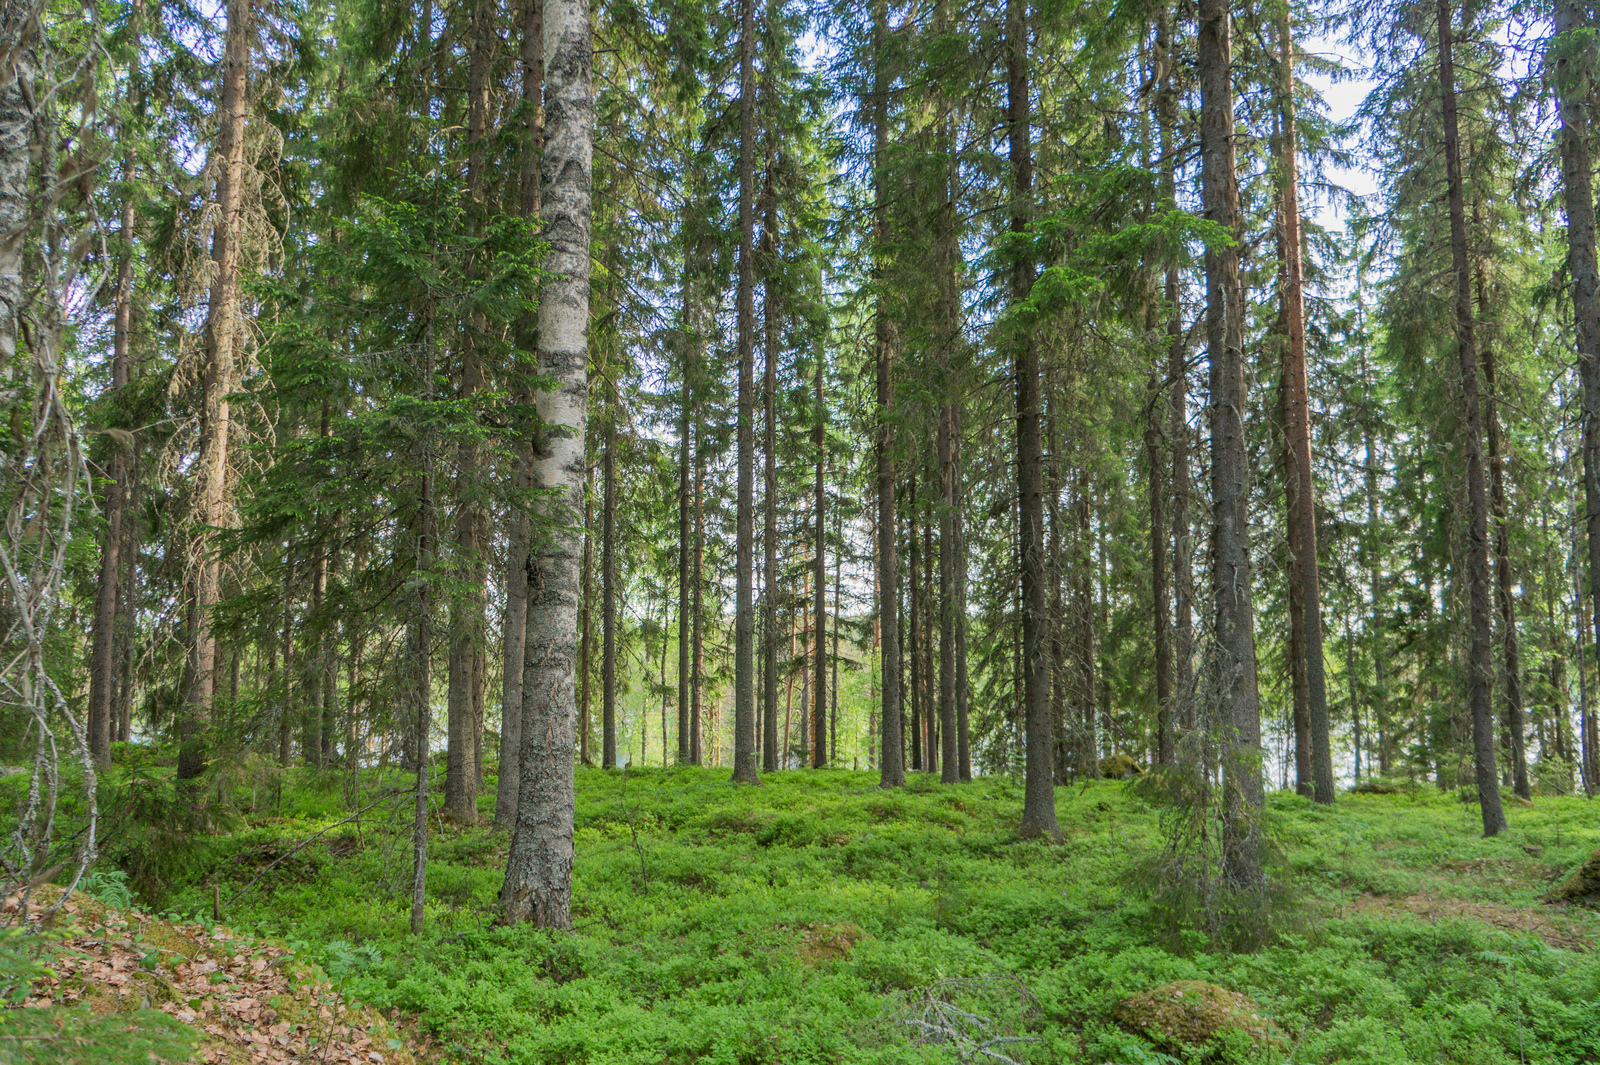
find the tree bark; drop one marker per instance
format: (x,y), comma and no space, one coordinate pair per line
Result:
(1480,656)
(608,586)
(745,770)
(1577,177)
(1297,425)
(949,727)
(963,726)
(769,452)
(210,512)
(1039,798)
(419,651)
(102,663)
(914,608)
(1182,642)
(1234,620)
(697,669)
(585,624)
(819,713)
(1513,724)
(538,884)
(686,599)
(514,627)
(892,767)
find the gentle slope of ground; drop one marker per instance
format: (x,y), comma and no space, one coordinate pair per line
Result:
(819,919)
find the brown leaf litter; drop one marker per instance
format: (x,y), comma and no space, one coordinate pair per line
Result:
(251,1002)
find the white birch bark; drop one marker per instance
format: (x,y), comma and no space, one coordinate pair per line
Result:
(538,884)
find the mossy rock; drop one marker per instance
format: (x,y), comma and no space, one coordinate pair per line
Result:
(1120,767)
(1194,1014)
(1582,886)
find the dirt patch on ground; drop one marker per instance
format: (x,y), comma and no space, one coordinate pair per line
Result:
(1554,930)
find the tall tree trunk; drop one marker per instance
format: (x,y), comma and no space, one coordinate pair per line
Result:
(1480,657)
(203,584)
(1039,798)
(1160,606)
(892,767)
(833,657)
(286,708)
(949,728)
(745,770)
(1300,687)
(1297,425)
(769,453)
(1066,738)
(963,729)
(1577,178)
(128,603)
(926,681)
(608,587)
(1506,599)
(315,663)
(1089,749)
(819,714)
(585,623)
(538,884)
(697,669)
(1177,373)
(1234,624)
(419,650)
(914,627)
(102,663)
(686,507)
(1375,590)
(464,700)
(514,626)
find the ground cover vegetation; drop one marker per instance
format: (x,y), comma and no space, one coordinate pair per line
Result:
(818,918)
(409,408)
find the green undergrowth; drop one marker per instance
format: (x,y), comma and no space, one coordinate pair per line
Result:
(815,918)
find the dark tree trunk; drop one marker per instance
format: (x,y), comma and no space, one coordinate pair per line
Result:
(686,507)
(608,586)
(1480,655)
(468,620)
(1234,658)
(949,727)
(819,713)
(1577,176)
(222,341)
(930,712)
(585,622)
(102,663)
(1039,799)
(419,651)
(698,628)
(745,770)
(914,626)
(1088,658)
(1297,425)
(963,729)
(1177,404)
(892,768)
(1375,615)
(1512,725)
(769,396)
(514,626)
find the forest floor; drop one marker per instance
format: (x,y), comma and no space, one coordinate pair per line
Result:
(819,919)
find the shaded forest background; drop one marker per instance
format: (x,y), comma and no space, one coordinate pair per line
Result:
(913,346)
